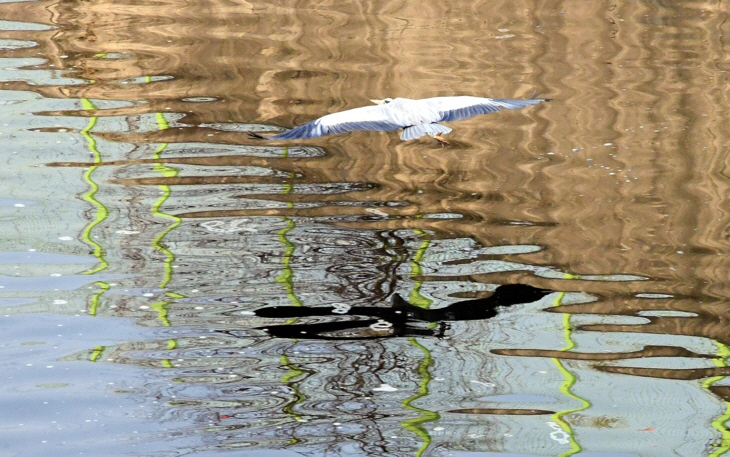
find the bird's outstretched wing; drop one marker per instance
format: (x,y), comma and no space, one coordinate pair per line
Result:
(364,118)
(456,108)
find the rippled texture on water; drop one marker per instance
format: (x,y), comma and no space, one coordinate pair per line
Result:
(144,229)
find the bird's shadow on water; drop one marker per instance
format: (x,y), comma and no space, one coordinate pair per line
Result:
(400,319)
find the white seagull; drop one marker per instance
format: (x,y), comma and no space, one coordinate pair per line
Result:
(416,117)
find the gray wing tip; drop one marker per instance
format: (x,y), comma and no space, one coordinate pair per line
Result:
(518,103)
(286,135)
(535,101)
(309,130)
(278,136)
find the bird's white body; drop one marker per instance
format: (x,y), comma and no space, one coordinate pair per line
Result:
(415,117)
(401,111)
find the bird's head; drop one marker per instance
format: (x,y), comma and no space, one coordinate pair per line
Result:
(382,102)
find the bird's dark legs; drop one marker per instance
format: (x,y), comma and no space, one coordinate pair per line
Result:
(440,139)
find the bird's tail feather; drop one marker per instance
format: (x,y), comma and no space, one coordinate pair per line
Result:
(417,131)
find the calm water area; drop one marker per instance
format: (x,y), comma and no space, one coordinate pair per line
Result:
(171,286)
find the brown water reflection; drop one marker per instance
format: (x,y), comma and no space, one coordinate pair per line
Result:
(635,88)
(614,195)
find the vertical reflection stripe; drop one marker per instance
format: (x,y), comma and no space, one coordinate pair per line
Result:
(415,425)
(720,424)
(569,381)
(101,211)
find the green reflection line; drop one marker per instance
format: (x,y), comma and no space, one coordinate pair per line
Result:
(96,299)
(415,297)
(291,382)
(286,278)
(415,425)
(719,424)
(97,353)
(162,311)
(162,307)
(168,172)
(294,371)
(171,345)
(102,212)
(569,381)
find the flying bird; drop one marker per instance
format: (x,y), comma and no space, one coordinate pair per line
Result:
(416,117)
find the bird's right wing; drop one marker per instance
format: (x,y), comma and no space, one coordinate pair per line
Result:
(457,108)
(364,118)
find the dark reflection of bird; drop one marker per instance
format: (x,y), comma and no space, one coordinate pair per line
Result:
(415,117)
(399,317)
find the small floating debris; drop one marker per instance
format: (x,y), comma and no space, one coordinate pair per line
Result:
(385,388)
(17,203)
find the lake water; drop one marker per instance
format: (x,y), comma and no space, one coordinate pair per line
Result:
(144,230)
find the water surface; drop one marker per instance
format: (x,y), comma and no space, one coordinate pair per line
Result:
(144,230)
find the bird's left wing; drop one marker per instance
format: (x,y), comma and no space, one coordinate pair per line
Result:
(456,108)
(364,118)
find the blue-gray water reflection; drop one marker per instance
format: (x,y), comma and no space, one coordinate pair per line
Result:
(170,286)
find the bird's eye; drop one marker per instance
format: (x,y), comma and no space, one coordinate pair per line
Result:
(387,100)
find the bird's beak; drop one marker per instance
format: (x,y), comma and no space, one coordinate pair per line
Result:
(378,102)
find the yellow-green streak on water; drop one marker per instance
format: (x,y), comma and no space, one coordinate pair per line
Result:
(167,172)
(162,307)
(415,297)
(290,380)
(162,311)
(171,345)
(415,425)
(97,353)
(286,278)
(720,424)
(96,298)
(569,381)
(101,211)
